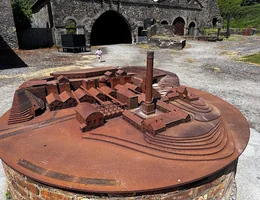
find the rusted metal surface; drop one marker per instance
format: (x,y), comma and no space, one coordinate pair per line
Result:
(148,107)
(132,151)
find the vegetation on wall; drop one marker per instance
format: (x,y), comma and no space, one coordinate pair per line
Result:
(243,13)
(22,13)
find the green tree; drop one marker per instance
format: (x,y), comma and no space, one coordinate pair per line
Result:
(22,13)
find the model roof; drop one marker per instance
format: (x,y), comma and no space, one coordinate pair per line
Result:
(94,92)
(130,86)
(53,97)
(133,117)
(79,93)
(106,89)
(63,79)
(157,125)
(124,91)
(86,109)
(121,72)
(66,95)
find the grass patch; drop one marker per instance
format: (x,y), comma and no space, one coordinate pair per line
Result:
(212,68)
(8,195)
(232,54)
(235,38)
(190,60)
(148,47)
(254,58)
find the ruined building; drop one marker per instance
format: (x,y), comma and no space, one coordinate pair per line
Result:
(123,20)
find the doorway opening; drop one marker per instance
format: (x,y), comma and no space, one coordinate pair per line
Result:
(110,28)
(179,24)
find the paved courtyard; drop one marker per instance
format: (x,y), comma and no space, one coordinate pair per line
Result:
(211,67)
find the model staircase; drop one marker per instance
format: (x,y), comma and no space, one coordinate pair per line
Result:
(25,107)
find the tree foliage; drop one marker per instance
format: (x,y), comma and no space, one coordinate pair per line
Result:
(71,27)
(241,16)
(250,2)
(22,13)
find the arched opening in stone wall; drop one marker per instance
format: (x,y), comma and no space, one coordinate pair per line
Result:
(191,29)
(214,21)
(71,26)
(179,25)
(110,28)
(164,22)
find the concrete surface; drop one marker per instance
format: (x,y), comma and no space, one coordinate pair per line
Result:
(212,67)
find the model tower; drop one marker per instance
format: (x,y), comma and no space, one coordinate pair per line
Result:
(148,106)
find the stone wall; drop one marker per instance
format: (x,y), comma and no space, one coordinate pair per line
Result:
(85,13)
(7,30)
(166,30)
(41,18)
(220,185)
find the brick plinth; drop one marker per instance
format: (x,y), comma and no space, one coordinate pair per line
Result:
(218,186)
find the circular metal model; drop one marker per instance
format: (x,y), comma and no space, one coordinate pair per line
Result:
(119,130)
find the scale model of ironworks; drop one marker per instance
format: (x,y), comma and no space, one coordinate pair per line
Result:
(119,130)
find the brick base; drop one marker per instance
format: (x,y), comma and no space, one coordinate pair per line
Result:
(218,186)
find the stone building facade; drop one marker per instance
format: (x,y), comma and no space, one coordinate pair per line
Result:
(122,20)
(7,30)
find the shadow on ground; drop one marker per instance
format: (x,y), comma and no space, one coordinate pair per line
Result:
(8,58)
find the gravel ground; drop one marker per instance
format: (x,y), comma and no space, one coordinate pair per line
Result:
(211,67)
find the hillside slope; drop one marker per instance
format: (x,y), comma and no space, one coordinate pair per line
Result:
(241,16)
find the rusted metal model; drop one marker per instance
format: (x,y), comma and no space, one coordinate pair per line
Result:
(111,130)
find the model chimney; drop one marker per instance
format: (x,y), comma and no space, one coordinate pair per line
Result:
(148,106)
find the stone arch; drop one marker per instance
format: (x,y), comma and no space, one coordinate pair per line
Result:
(191,30)
(70,18)
(92,20)
(110,27)
(70,24)
(164,22)
(179,24)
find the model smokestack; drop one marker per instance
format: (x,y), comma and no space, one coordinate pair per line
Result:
(148,106)
(149,77)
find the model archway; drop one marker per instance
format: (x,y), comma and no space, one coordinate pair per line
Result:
(179,25)
(110,28)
